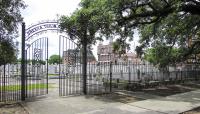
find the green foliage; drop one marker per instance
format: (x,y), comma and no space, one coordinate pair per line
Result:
(171,23)
(9,18)
(165,26)
(161,56)
(161,24)
(10,15)
(54,59)
(91,18)
(7,52)
(119,47)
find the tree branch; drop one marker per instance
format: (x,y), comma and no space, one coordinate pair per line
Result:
(133,5)
(161,13)
(194,1)
(150,5)
(166,2)
(142,23)
(187,8)
(193,9)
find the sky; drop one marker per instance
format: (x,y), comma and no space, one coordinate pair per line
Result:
(42,10)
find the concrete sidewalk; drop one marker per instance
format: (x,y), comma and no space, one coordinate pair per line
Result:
(93,105)
(172,104)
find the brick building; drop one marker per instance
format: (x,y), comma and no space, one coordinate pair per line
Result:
(131,57)
(73,56)
(105,54)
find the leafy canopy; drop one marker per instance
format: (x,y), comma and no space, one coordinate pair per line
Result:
(161,55)
(9,18)
(162,24)
(54,59)
(92,21)
(10,15)
(172,23)
(7,51)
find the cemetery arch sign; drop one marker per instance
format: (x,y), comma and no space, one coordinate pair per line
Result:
(41,27)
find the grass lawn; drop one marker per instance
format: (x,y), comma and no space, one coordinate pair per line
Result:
(53,74)
(29,87)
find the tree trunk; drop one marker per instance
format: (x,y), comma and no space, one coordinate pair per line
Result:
(84,65)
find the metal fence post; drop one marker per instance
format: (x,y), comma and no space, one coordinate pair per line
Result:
(4,82)
(23,93)
(110,76)
(129,74)
(47,65)
(181,76)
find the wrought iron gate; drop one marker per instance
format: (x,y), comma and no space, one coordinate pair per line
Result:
(37,68)
(70,68)
(70,73)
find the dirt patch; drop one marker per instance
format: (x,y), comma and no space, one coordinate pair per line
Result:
(195,85)
(168,90)
(123,98)
(193,111)
(12,108)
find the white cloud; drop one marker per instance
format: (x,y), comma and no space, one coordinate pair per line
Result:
(38,10)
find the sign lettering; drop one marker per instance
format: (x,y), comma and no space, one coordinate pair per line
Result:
(41,27)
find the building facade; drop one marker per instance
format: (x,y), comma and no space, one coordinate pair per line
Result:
(73,56)
(105,54)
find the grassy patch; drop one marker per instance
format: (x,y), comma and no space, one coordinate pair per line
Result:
(53,74)
(29,87)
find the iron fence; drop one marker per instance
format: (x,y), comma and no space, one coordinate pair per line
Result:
(107,77)
(10,82)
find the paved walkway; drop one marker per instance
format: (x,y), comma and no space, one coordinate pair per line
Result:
(93,105)
(83,105)
(52,104)
(172,104)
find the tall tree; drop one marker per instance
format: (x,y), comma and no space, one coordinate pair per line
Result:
(9,18)
(84,24)
(54,59)
(119,47)
(10,11)
(172,23)
(87,21)
(7,51)
(161,55)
